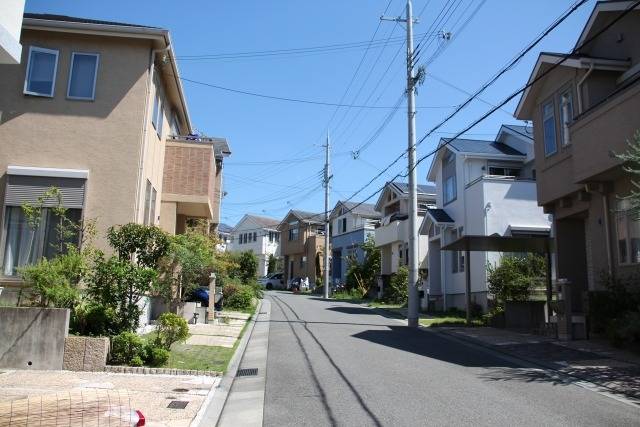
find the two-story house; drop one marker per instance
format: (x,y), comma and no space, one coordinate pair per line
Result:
(97,110)
(484,188)
(392,233)
(351,225)
(583,111)
(302,244)
(258,234)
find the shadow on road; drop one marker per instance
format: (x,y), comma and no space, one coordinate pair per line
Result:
(432,345)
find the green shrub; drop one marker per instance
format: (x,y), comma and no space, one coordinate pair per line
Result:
(515,277)
(125,347)
(397,291)
(136,361)
(92,319)
(258,291)
(170,328)
(155,356)
(248,266)
(238,297)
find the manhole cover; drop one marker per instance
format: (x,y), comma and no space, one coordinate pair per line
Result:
(247,372)
(177,404)
(181,390)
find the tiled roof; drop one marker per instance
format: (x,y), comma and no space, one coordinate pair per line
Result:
(526,131)
(439,215)
(263,221)
(363,209)
(64,18)
(482,147)
(308,216)
(422,188)
(224,228)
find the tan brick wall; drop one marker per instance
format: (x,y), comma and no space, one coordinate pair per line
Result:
(189,170)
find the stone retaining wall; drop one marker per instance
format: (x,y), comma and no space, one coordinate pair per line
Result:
(85,353)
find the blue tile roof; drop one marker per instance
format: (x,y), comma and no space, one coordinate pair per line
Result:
(482,147)
(422,188)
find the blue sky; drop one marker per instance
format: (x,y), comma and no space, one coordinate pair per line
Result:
(262,130)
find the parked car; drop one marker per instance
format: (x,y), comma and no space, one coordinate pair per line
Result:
(274,281)
(201,295)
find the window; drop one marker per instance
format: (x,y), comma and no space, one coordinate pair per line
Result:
(449,178)
(82,76)
(175,128)
(26,244)
(549,128)
(254,236)
(628,231)
(566,102)
(504,171)
(41,72)
(152,208)
(344,225)
(158,110)
(150,197)
(294,231)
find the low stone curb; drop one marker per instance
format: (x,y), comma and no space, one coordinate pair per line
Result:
(158,371)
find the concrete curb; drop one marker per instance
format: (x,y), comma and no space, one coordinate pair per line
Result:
(209,413)
(555,367)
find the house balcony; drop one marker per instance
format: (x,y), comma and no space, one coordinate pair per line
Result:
(191,185)
(393,228)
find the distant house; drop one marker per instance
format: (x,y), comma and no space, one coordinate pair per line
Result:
(258,234)
(583,111)
(302,244)
(392,234)
(483,188)
(351,224)
(224,235)
(10,28)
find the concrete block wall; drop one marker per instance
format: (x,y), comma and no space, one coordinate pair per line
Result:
(85,353)
(33,338)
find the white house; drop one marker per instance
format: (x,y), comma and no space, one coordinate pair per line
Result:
(483,188)
(258,234)
(10,28)
(392,235)
(224,234)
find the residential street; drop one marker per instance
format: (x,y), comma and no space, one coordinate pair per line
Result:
(335,363)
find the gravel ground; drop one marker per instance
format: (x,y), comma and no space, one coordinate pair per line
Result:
(149,393)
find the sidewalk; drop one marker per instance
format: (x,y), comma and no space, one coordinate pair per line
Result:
(594,361)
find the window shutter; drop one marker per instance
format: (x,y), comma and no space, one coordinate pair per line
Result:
(23,189)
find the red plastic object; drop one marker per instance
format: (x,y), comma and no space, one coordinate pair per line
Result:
(141,420)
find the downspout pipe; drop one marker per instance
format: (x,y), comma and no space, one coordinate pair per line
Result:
(579,86)
(143,146)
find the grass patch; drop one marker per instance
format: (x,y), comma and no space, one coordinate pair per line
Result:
(447,319)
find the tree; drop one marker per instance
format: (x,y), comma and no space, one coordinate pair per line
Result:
(363,276)
(272,264)
(632,167)
(515,277)
(121,282)
(397,290)
(248,266)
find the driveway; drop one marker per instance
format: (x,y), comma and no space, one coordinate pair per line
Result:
(149,393)
(332,363)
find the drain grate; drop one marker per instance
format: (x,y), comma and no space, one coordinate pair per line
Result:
(177,404)
(247,372)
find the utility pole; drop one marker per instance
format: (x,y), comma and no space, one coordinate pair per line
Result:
(413,296)
(327,178)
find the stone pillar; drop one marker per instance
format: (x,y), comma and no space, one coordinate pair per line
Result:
(211,312)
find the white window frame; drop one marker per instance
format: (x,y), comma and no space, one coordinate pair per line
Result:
(55,71)
(555,128)
(95,76)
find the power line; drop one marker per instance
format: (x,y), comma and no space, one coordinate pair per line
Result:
(297,100)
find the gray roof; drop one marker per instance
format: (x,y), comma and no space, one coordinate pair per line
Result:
(439,215)
(422,188)
(367,210)
(526,131)
(482,147)
(65,18)
(308,216)
(264,222)
(224,228)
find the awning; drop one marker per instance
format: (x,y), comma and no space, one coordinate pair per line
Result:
(501,244)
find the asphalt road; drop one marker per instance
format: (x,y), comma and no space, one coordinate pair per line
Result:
(332,363)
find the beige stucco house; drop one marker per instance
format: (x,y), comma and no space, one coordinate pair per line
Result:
(583,112)
(97,109)
(302,244)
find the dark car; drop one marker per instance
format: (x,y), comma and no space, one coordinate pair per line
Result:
(201,295)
